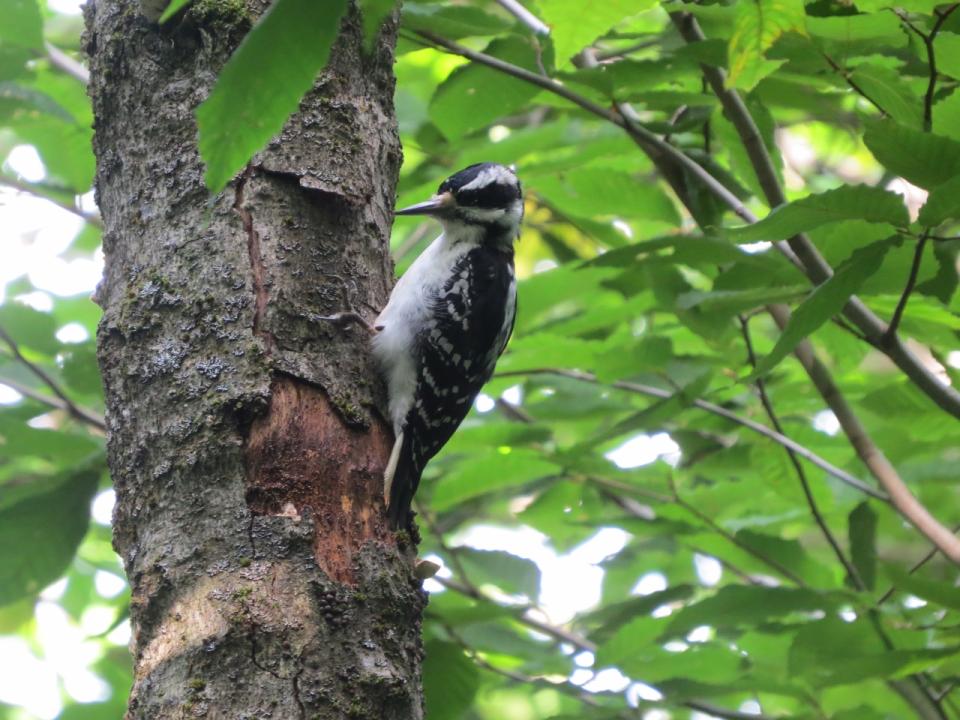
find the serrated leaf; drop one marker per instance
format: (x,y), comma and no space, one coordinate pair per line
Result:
(922,158)
(589,192)
(450,680)
(263,82)
(46,529)
(747,605)
(824,302)
(759,24)
(850,202)
(862,534)
(575,24)
(863,26)
(485,474)
(474,95)
(943,203)
(452,21)
(888,89)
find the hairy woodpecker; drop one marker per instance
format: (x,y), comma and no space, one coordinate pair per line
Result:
(447,321)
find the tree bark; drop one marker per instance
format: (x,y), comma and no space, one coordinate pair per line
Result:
(244,440)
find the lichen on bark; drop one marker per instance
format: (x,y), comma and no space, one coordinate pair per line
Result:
(244,441)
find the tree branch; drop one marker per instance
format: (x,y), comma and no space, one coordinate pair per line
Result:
(24,187)
(931,59)
(871,456)
(853,84)
(908,288)
(525,16)
(798,468)
(710,407)
(816,268)
(59,59)
(62,400)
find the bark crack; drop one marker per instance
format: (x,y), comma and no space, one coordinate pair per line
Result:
(260,292)
(296,693)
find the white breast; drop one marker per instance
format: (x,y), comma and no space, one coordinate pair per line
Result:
(405,314)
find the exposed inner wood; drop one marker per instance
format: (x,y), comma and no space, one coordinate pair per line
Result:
(302,458)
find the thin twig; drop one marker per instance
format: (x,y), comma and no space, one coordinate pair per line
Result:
(710,407)
(88,417)
(871,455)
(68,405)
(557,633)
(59,59)
(913,568)
(928,39)
(845,74)
(525,16)
(813,263)
(908,288)
(798,468)
(637,131)
(25,187)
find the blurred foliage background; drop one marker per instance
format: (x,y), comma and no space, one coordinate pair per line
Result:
(655,509)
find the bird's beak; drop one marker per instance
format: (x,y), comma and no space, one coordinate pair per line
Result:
(434,206)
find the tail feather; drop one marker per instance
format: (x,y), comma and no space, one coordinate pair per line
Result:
(400,482)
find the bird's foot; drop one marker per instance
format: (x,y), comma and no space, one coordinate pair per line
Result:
(345,318)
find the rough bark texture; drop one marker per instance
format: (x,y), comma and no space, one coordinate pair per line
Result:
(244,444)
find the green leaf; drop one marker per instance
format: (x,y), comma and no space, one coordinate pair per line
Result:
(29,328)
(263,82)
(922,158)
(450,681)
(485,474)
(172,9)
(824,302)
(941,593)
(22,25)
(862,534)
(943,203)
(888,89)
(15,97)
(589,192)
(850,202)
(46,530)
(759,24)
(946,116)
(452,21)
(748,605)
(850,28)
(512,574)
(947,53)
(834,652)
(474,95)
(624,643)
(374,13)
(575,24)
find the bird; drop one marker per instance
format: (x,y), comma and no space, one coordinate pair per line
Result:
(447,321)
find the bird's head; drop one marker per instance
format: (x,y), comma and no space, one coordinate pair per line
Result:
(484,200)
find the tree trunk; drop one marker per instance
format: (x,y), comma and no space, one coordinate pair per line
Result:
(245,444)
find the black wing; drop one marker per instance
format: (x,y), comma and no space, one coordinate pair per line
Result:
(472,318)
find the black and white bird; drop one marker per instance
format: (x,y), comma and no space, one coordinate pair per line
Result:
(448,320)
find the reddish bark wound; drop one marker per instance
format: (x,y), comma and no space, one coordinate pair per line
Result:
(302,456)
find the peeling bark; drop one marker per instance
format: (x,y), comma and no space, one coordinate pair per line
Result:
(244,440)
